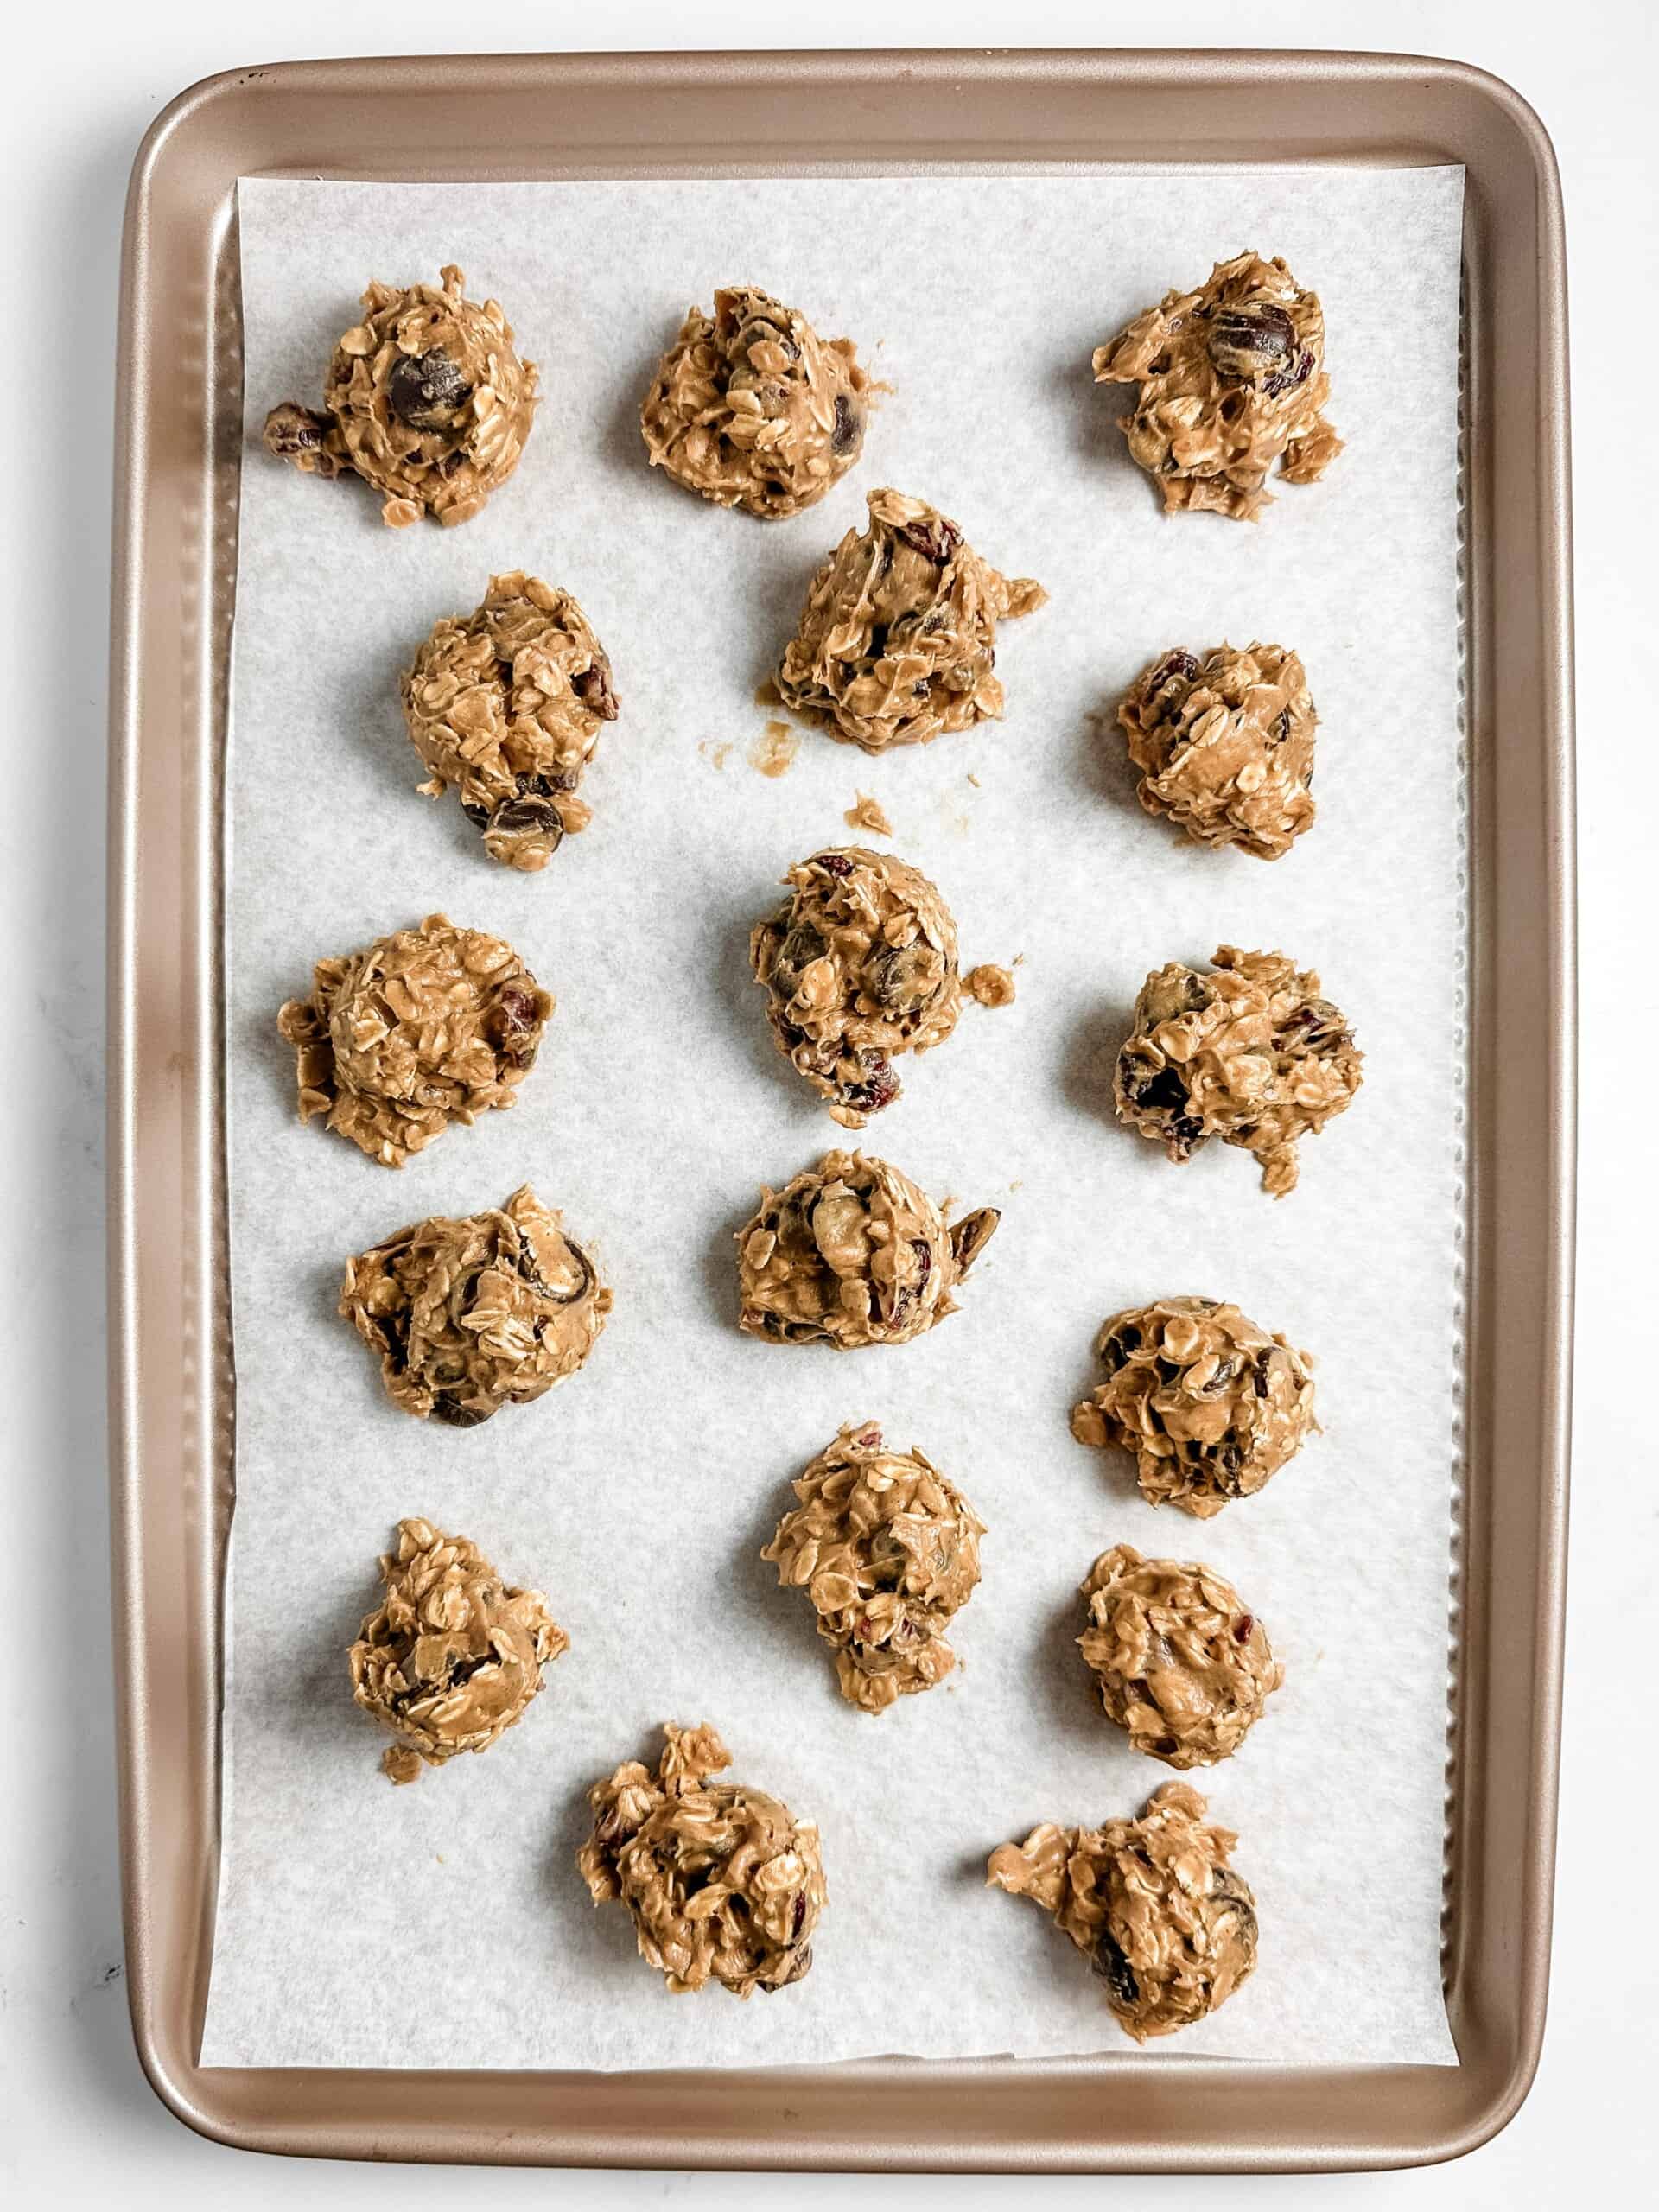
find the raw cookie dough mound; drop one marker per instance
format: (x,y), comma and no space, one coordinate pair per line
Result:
(426,400)
(724,1884)
(897,642)
(1211,1406)
(507,703)
(452,1656)
(887,1549)
(852,1253)
(1152,1903)
(468,1315)
(859,963)
(1232,379)
(1247,1051)
(1225,745)
(1181,1664)
(753,409)
(422,1028)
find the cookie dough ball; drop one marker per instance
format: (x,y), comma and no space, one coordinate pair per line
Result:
(422,1028)
(452,1655)
(1181,1665)
(426,400)
(507,703)
(1152,1903)
(1247,1051)
(1210,1405)
(754,409)
(474,1313)
(887,1549)
(724,1884)
(1225,745)
(1232,380)
(852,1253)
(858,964)
(897,641)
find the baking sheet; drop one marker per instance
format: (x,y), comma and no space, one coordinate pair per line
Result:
(363,1926)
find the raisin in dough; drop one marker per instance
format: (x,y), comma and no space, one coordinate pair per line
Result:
(887,1548)
(858,964)
(1225,745)
(1210,1405)
(1152,1904)
(1183,1667)
(852,1253)
(1231,380)
(506,704)
(753,408)
(897,642)
(452,1656)
(724,1884)
(470,1314)
(421,1028)
(1247,1051)
(426,400)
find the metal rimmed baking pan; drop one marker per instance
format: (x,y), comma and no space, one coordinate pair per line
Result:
(178,459)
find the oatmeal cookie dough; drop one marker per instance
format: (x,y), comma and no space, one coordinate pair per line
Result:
(507,703)
(1181,1665)
(419,1029)
(886,1548)
(452,1655)
(724,1884)
(1152,1904)
(1225,745)
(1210,1405)
(426,400)
(470,1314)
(858,964)
(852,1253)
(1247,1051)
(1232,380)
(753,408)
(897,642)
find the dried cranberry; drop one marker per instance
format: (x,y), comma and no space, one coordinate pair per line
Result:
(879,1089)
(835,864)
(449,1409)
(1176,665)
(1242,1628)
(528,817)
(1164,1092)
(935,539)
(849,427)
(1112,1964)
(593,688)
(427,391)
(290,430)
(1290,379)
(798,1918)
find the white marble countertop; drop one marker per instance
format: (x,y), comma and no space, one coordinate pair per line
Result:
(81,2126)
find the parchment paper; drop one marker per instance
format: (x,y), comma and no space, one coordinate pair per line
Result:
(444,1924)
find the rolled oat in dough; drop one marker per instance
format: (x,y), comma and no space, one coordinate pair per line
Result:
(426,400)
(1152,1904)
(724,1884)
(887,1548)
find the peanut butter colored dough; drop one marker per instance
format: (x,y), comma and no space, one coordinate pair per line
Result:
(852,1253)
(1232,379)
(507,703)
(1181,1665)
(1247,1051)
(988,985)
(897,642)
(471,1314)
(858,964)
(452,1656)
(724,1884)
(1152,1903)
(754,409)
(887,1549)
(1210,1405)
(1225,745)
(421,1028)
(426,400)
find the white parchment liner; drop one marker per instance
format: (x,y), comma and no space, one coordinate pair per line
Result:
(444,1925)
